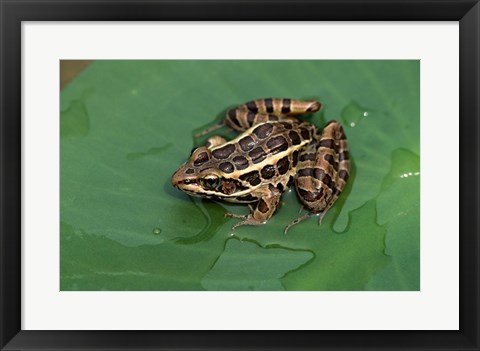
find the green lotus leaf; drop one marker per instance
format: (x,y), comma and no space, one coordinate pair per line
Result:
(126,126)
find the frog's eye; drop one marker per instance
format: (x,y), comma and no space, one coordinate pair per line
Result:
(210,181)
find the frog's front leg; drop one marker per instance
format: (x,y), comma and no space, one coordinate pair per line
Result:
(264,210)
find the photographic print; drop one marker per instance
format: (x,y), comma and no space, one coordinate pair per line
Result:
(240,175)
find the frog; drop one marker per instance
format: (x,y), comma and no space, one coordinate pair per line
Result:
(274,150)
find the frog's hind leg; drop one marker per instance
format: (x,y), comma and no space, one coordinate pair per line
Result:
(333,148)
(323,170)
(281,106)
(263,110)
(258,111)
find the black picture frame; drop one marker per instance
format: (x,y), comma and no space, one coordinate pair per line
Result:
(13,12)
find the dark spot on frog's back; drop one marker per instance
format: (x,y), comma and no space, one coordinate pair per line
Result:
(277,144)
(294,137)
(226,167)
(246,143)
(252,177)
(224,152)
(201,159)
(257,155)
(283,165)
(263,130)
(240,162)
(305,133)
(286,125)
(268,171)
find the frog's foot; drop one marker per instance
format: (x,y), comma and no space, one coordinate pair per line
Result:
(298,220)
(324,212)
(210,129)
(320,218)
(233,215)
(248,221)
(301,209)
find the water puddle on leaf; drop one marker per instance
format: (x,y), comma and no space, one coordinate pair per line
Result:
(353,114)
(404,164)
(150,152)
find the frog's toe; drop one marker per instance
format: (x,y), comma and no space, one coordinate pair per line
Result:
(298,220)
(248,221)
(233,215)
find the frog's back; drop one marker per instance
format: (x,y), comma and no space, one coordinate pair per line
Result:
(262,145)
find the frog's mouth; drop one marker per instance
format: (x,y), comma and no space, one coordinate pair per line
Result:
(185,184)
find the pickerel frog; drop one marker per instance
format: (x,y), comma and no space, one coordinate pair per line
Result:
(274,150)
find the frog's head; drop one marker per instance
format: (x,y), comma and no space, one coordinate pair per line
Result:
(200,176)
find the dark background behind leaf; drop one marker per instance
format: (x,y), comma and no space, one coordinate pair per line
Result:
(127,125)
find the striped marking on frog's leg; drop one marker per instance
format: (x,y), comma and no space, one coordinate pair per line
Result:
(241,120)
(343,173)
(264,210)
(282,106)
(322,171)
(272,109)
(262,110)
